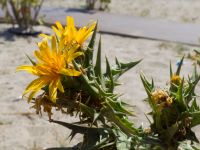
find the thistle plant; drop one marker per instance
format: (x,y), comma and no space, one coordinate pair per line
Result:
(174,110)
(103,4)
(72,83)
(24,13)
(195,56)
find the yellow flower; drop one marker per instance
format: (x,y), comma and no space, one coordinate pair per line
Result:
(42,101)
(70,35)
(169,101)
(161,98)
(50,66)
(175,79)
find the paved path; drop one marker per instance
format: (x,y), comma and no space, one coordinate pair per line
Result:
(130,26)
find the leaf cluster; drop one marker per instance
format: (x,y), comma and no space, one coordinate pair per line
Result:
(173,123)
(22,12)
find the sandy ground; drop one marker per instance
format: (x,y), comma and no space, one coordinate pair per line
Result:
(172,10)
(22,129)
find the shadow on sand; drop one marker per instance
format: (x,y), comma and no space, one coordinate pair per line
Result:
(80,10)
(7,35)
(62,148)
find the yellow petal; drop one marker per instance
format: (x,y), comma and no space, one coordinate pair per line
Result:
(53,44)
(59,26)
(53,86)
(73,48)
(73,56)
(60,87)
(41,57)
(32,94)
(84,33)
(70,26)
(36,84)
(43,45)
(44,48)
(70,21)
(60,46)
(56,31)
(30,69)
(45,36)
(70,72)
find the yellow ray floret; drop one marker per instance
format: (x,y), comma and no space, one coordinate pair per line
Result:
(70,34)
(50,66)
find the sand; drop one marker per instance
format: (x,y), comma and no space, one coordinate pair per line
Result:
(171,10)
(22,129)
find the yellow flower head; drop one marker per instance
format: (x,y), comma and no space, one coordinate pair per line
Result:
(50,66)
(71,36)
(175,79)
(161,98)
(169,101)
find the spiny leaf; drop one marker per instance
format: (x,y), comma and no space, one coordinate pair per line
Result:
(196,51)
(87,110)
(148,119)
(73,127)
(195,118)
(33,62)
(89,52)
(180,98)
(96,116)
(123,142)
(171,72)
(92,41)
(195,74)
(117,106)
(86,82)
(121,68)
(109,74)
(148,87)
(189,92)
(108,68)
(121,122)
(97,67)
(78,128)
(179,66)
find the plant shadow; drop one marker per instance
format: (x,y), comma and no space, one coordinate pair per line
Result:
(7,35)
(80,10)
(61,148)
